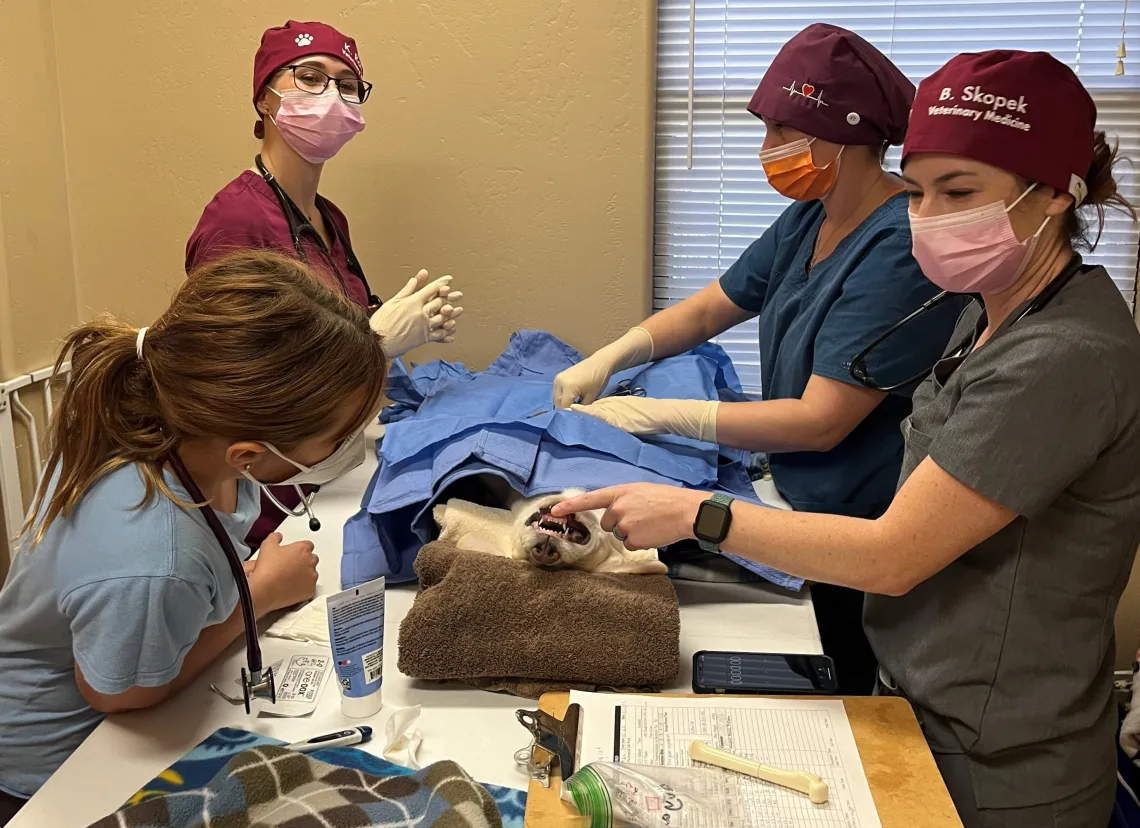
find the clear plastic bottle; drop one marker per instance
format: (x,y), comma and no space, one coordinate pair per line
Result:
(643,796)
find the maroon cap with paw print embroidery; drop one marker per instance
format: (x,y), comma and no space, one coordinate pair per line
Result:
(282,45)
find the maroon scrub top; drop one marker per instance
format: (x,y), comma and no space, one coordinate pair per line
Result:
(246,214)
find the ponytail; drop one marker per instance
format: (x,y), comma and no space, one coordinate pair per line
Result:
(252,347)
(107,416)
(1103,195)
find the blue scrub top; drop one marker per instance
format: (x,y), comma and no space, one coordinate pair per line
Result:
(815,323)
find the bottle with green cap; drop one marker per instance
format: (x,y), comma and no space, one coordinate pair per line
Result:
(640,796)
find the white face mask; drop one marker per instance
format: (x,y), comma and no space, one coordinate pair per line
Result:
(347,457)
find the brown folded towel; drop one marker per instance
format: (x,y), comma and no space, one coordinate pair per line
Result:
(504,625)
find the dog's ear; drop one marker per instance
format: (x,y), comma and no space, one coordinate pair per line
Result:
(439,514)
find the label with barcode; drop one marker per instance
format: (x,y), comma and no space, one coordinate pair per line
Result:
(373,665)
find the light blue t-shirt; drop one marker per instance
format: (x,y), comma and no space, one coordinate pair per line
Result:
(122,589)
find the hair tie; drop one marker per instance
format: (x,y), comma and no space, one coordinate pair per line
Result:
(139,341)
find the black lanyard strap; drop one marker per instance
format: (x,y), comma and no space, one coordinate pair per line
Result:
(248,614)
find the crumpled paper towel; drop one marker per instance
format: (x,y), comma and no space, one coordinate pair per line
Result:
(402,741)
(308,623)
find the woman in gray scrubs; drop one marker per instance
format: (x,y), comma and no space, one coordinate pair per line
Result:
(994,576)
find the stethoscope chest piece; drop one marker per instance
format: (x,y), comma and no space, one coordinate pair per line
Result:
(258,687)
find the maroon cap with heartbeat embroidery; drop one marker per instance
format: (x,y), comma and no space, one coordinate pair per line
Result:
(832,84)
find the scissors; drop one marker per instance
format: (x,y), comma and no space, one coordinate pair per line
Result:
(626,388)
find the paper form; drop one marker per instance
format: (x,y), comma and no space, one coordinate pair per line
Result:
(813,736)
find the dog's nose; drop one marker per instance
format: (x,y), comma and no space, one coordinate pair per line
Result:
(545,554)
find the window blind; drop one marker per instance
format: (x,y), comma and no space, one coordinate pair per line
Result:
(705,216)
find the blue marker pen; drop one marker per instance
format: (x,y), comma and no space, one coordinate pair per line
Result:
(342,738)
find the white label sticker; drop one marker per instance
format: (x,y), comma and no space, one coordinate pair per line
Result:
(303,678)
(373,665)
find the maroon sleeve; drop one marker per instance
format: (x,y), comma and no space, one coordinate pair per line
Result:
(238,217)
(221,231)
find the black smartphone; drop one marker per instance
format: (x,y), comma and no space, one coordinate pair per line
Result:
(764,673)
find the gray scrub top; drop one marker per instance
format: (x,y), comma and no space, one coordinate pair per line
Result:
(1008,652)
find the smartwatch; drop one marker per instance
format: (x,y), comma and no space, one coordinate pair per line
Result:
(714,519)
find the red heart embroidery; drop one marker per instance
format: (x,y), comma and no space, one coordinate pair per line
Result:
(808,89)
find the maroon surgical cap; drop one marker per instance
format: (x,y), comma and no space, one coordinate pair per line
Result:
(1023,112)
(284,45)
(830,83)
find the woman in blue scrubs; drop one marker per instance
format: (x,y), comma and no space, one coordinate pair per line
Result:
(832,273)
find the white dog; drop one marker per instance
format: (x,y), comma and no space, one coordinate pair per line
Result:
(528,532)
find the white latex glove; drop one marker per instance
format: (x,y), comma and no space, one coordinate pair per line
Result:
(585,381)
(422,312)
(641,416)
(1130,729)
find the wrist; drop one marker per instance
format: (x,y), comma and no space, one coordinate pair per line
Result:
(691,507)
(263,600)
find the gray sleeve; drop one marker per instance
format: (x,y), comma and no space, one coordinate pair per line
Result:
(1037,412)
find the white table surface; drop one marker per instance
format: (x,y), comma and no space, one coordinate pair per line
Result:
(473,727)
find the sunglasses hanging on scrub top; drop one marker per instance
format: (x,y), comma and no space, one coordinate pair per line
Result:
(858,366)
(255,682)
(865,376)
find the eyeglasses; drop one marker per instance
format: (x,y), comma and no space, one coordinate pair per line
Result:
(314,81)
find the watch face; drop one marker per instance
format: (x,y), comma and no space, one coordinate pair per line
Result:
(711,520)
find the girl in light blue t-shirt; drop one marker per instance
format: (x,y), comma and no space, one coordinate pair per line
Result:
(119,595)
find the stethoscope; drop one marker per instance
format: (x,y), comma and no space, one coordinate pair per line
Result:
(304,510)
(858,366)
(256,682)
(297,228)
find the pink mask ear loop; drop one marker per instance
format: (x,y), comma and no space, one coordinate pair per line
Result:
(270,114)
(1017,201)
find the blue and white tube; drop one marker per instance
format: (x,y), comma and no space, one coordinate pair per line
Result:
(356,634)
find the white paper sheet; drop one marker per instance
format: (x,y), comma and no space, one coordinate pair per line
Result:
(812,736)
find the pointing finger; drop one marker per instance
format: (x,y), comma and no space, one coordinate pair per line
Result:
(601,499)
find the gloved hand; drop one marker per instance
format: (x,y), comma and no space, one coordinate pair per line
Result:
(1130,729)
(585,381)
(641,416)
(420,313)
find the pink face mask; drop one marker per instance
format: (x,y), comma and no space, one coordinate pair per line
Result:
(317,126)
(972,251)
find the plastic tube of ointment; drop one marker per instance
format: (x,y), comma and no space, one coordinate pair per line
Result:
(356,633)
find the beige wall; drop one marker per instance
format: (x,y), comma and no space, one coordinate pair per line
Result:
(37,282)
(509,144)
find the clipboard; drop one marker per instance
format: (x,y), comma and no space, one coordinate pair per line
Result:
(905,783)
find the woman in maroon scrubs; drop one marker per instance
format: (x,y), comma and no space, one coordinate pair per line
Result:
(308,89)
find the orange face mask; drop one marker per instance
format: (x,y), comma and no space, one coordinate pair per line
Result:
(792,173)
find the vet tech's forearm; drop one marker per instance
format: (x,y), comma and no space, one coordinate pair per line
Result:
(696,320)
